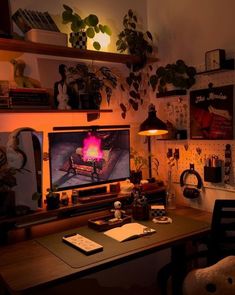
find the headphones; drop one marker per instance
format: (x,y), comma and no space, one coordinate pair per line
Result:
(188,192)
(16,157)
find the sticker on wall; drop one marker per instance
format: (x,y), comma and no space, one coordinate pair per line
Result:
(211,113)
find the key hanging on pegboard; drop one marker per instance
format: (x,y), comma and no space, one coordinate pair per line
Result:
(227,163)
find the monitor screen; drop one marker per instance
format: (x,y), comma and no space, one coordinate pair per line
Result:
(85,158)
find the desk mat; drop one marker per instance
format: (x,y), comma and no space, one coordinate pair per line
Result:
(114,250)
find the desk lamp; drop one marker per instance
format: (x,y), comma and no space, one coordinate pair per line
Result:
(152,126)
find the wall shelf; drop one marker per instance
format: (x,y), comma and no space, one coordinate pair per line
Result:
(55,50)
(25,110)
(172,93)
(229,66)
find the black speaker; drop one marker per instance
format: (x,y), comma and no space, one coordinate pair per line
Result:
(92,191)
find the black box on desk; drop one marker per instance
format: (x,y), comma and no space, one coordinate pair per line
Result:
(213,174)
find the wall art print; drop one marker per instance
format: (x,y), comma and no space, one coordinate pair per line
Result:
(211,113)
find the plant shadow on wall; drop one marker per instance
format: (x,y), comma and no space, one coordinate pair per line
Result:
(135,42)
(178,75)
(83,27)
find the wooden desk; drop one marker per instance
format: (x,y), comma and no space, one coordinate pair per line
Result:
(26,267)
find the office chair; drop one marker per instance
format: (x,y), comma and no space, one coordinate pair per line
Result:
(219,244)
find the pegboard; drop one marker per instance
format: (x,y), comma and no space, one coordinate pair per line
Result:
(195,151)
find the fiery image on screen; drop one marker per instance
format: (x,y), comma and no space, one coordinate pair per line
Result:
(86,158)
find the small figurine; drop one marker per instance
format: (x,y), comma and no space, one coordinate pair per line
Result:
(117,210)
(20,79)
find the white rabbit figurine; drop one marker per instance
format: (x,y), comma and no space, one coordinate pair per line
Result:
(63,97)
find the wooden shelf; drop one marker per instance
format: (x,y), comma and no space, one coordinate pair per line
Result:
(54,111)
(55,50)
(172,93)
(228,66)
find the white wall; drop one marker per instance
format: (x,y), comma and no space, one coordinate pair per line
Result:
(186,29)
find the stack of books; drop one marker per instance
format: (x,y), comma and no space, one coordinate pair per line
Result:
(28,19)
(29,98)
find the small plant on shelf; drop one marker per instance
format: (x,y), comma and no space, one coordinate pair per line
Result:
(89,26)
(138,162)
(92,81)
(178,74)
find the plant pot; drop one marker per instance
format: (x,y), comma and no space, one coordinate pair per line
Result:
(78,40)
(90,101)
(53,201)
(136,177)
(140,212)
(7,203)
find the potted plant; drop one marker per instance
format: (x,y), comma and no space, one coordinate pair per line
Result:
(177,74)
(132,39)
(138,163)
(52,199)
(89,83)
(83,27)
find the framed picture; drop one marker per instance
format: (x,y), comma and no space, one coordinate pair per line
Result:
(211,113)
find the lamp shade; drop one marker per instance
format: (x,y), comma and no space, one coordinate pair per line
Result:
(152,125)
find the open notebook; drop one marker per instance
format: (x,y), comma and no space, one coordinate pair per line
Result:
(129,231)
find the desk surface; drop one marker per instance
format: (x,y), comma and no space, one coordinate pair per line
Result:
(28,265)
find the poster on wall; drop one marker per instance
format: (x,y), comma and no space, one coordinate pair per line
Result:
(211,113)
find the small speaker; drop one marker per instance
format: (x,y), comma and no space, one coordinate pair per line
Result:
(92,191)
(114,187)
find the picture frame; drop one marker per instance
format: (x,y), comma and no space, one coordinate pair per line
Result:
(211,113)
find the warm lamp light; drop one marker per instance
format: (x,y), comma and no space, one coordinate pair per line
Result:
(103,39)
(152,126)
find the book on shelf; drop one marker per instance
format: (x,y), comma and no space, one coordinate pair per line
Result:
(27,19)
(36,19)
(129,231)
(21,22)
(29,97)
(51,22)
(4,102)
(27,90)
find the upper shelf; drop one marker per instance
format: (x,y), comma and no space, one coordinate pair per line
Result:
(55,50)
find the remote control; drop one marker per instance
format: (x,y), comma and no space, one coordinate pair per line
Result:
(82,243)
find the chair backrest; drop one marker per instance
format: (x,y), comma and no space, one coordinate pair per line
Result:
(222,240)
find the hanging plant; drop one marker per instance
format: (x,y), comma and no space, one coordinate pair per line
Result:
(135,87)
(134,41)
(178,74)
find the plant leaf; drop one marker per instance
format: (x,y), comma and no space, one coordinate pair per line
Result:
(107,30)
(133,94)
(149,35)
(90,33)
(92,20)
(96,45)
(133,104)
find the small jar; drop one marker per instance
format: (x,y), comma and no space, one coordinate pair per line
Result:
(170,200)
(64,199)
(74,197)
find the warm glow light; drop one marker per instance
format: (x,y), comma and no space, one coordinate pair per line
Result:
(92,149)
(153,132)
(103,39)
